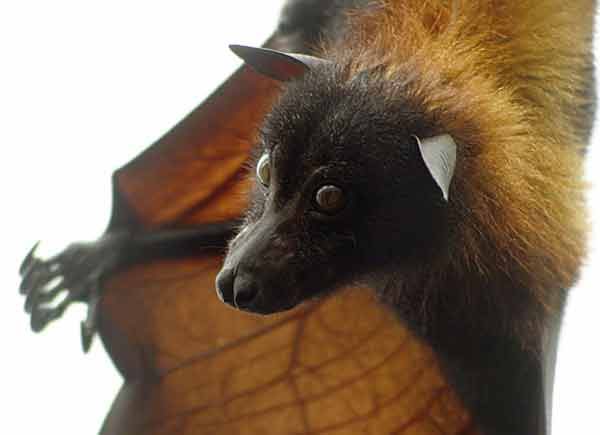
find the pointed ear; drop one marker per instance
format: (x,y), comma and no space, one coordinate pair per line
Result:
(439,155)
(277,64)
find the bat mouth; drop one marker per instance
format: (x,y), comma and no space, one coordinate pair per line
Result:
(266,310)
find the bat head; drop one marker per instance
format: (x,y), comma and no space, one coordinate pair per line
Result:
(350,184)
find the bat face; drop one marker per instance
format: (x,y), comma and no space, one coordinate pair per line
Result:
(342,192)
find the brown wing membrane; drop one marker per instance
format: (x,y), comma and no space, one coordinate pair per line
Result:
(192,174)
(339,366)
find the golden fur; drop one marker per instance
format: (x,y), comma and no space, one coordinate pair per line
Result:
(510,81)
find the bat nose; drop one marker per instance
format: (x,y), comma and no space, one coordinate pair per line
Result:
(245,291)
(238,290)
(224,284)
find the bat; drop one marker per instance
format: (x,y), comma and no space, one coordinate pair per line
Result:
(469,263)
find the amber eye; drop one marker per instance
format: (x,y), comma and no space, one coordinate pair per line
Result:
(330,199)
(263,170)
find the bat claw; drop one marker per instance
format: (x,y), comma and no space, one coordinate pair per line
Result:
(86,337)
(78,271)
(30,276)
(36,321)
(88,326)
(30,301)
(40,317)
(29,258)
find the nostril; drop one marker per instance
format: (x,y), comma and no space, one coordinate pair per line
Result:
(244,294)
(224,283)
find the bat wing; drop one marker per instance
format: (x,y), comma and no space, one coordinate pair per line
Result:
(342,365)
(191,178)
(194,174)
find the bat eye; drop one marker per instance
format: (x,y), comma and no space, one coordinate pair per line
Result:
(330,199)
(263,170)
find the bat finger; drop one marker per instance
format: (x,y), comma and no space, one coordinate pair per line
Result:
(39,289)
(41,316)
(50,294)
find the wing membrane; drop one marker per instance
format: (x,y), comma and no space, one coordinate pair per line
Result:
(339,366)
(192,174)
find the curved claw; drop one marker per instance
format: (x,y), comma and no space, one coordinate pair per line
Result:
(31,301)
(78,271)
(88,326)
(37,276)
(31,275)
(40,317)
(28,259)
(87,335)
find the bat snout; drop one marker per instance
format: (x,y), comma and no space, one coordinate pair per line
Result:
(252,292)
(238,290)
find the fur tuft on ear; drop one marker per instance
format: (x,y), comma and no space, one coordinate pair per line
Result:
(439,155)
(277,64)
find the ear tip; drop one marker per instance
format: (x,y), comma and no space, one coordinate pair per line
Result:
(250,54)
(238,49)
(278,65)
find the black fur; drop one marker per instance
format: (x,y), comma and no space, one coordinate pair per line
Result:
(356,135)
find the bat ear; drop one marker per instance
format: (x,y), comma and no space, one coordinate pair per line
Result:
(277,64)
(439,155)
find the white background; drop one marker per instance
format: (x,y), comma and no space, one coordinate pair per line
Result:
(84,87)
